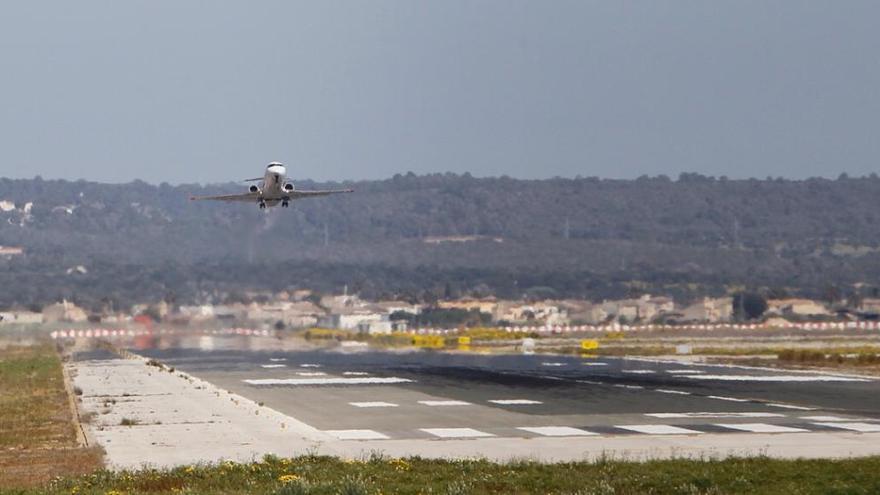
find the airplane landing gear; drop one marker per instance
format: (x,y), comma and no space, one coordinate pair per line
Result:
(262,205)
(285,204)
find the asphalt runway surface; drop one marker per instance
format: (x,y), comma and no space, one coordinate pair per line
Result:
(374,395)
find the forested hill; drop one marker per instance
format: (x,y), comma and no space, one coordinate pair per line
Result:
(443,234)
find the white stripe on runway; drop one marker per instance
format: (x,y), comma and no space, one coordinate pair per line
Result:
(356,434)
(456,432)
(444,403)
(716,415)
(760,428)
(515,402)
(787,406)
(273,365)
(355,373)
(676,392)
(638,372)
(659,429)
(777,378)
(557,431)
(731,399)
(328,381)
(825,418)
(311,373)
(373,404)
(591,363)
(685,372)
(552,364)
(310,365)
(860,427)
(275,360)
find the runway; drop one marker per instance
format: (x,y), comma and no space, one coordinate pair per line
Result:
(385,396)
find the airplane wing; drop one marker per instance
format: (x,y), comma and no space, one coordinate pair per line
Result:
(310,194)
(249,196)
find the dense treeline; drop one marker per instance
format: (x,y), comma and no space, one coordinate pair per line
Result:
(581,237)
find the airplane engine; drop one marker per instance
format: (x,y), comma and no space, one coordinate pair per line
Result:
(288,187)
(254,189)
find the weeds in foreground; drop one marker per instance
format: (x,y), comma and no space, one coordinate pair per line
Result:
(379,474)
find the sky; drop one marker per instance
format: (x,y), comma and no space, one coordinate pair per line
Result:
(211,91)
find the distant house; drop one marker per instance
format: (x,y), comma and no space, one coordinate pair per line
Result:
(351,319)
(709,310)
(64,311)
(20,317)
(797,307)
(486,305)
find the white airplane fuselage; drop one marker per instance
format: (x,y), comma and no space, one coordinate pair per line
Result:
(275,188)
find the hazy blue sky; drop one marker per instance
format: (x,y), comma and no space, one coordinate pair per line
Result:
(185,91)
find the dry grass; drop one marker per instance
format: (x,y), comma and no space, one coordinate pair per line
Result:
(37,432)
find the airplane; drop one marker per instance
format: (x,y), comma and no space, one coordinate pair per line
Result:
(274,189)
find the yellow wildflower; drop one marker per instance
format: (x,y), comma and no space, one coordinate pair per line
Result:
(287,478)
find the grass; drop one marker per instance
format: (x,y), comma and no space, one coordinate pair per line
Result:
(37,432)
(377,474)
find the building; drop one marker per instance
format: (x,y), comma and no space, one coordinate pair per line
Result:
(796,307)
(486,305)
(709,310)
(64,311)
(20,317)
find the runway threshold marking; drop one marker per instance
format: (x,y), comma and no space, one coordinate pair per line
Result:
(310,365)
(557,431)
(659,429)
(853,426)
(444,403)
(311,373)
(355,373)
(667,391)
(824,418)
(760,428)
(456,432)
(357,434)
(275,360)
(639,372)
(515,402)
(273,365)
(373,404)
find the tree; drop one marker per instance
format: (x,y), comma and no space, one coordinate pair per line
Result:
(748,305)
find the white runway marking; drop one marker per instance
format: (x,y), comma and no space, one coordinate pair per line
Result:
(310,365)
(731,399)
(515,402)
(716,415)
(328,381)
(373,404)
(777,378)
(824,418)
(311,373)
(797,408)
(761,428)
(590,363)
(557,431)
(355,373)
(356,434)
(275,360)
(676,392)
(639,372)
(456,432)
(685,372)
(860,427)
(621,385)
(273,365)
(659,429)
(444,403)
(552,364)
